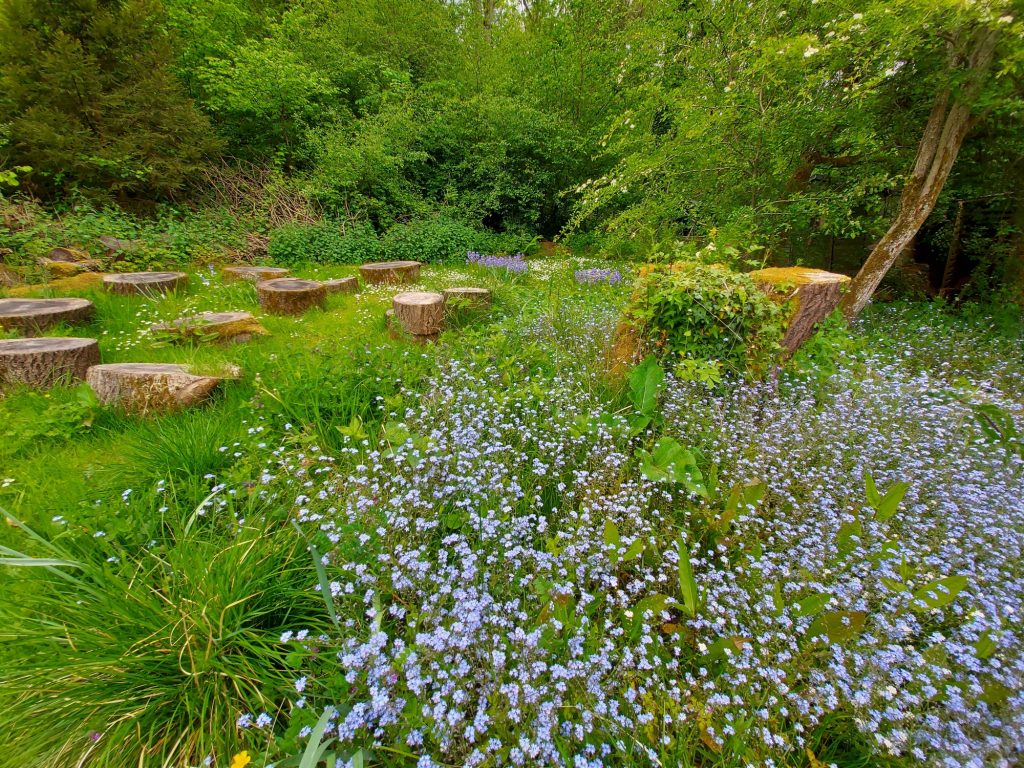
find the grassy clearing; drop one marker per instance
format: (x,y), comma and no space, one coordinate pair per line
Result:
(498,533)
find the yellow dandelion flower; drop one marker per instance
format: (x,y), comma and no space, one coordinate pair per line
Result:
(240,760)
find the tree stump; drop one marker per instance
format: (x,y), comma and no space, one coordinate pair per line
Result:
(67,254)
(216,326)
(149,387)
(45,362)
(810,295)
(467,298)
(253,274)
(30,316)
(342,285)
(420,313)
(393,272)
(58,268)
(145,283)
(290,296)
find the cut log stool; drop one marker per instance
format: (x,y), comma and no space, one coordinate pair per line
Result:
(253,274)
(149,387)
(33,315)
(810,295)
(420,313)
(45,362)
(342,285)
(467,298)
(145,283)
(393,272)
(290,296)
(220,326)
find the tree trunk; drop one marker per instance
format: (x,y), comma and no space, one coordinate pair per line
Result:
(944,133)
(949,273)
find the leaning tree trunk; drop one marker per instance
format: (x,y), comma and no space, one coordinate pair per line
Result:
(947,126)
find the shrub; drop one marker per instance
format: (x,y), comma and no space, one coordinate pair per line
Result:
(438,240)
(324,243)
(707,312)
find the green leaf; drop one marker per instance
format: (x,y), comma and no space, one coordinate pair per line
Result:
(890,502)
(645,382)
(985,646)
(848,537)
(611,534)
(635,550)
(687,583)
(316,747)
(838,626)
(939,593)
(812,604)
(722,644)
(874,498)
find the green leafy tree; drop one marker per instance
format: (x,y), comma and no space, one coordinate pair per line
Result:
(91,102)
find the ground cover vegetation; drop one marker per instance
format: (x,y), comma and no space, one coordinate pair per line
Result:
(605,519)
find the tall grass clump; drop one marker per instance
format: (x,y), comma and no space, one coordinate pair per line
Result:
(116,658)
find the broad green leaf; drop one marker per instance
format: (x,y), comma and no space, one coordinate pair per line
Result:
(890,502)
(634,551)
(849,536)
(985,646)
(687,583)
(812,604)
(838,626)
(939,593)
(645,382)
(611,534)
(722,644)
(874,497)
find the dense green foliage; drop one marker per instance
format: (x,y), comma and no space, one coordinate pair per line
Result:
(708,313)
(783,124)
(323,243)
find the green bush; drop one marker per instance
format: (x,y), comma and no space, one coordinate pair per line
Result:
(324,243)
(708,312)
(438,240)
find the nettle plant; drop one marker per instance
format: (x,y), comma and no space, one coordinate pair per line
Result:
(709,313)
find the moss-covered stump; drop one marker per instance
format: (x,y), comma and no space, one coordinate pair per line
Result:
(342,285)
(420,313)
(467,298)
(31,316)
(149,387)
(290,296)
(145,283)
(253,274)
(76,283)
(811,295)
(234,327)
(45,362)
(58,268)
(392,272)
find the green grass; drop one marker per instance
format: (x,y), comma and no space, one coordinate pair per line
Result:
(166,628)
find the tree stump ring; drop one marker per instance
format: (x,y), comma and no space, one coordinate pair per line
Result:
(44,362)
(420,313)
(253,274)
(149,387)
(215,326)
(342,285)
(145,283)
(290,296)
(30,316)
(467,298)
(391,272)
